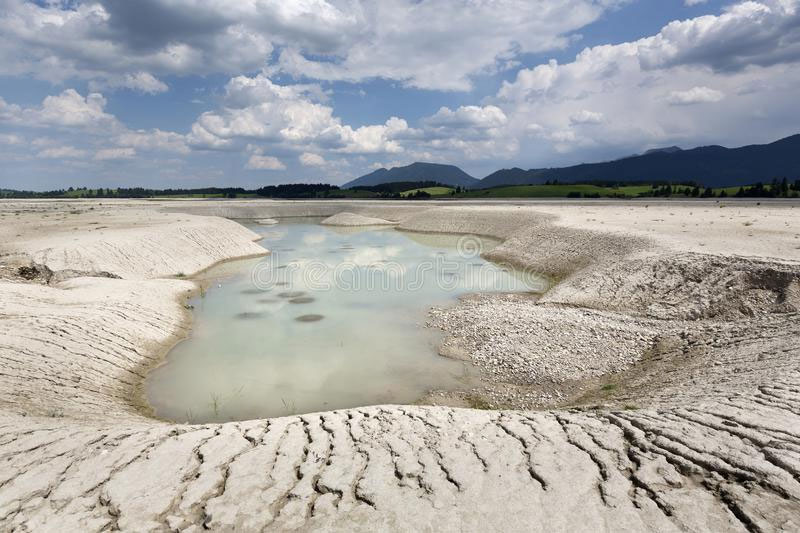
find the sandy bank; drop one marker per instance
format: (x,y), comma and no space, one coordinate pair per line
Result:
(673,347)
(128,240)
(351,219)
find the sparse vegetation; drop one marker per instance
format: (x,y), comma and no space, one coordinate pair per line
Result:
(478,402)
(432,191)
(215,403)
(289,406)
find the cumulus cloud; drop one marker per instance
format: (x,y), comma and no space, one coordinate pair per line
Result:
(67,109)
(586,117)
(71,109)
(307,159)
(112,40)
(264,162)
(255,108)
(429,46)
(763,33)
(472,132)
(423,44)
(114,153)
(610,100)
(62,152)
(695,95)
(154,139)
(640,93)
(10,138)
(468,117)
(142,82)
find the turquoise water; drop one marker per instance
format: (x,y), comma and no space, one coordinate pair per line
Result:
(332,318)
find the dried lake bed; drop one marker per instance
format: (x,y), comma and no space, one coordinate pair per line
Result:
(654,386)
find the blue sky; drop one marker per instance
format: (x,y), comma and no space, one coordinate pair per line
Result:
(252,92)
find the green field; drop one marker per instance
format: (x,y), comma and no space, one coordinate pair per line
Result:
(354,193)
(433,191)
(554,191)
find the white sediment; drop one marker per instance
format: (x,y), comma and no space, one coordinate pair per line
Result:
(688,310)
(351,219)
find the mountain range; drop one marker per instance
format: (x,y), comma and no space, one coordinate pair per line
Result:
(445,174)
(709,166)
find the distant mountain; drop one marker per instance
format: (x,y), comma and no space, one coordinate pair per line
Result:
(667,150)
(710,166)
(445,174)
(514,176)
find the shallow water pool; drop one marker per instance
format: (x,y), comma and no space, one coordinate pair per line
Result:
(332,318)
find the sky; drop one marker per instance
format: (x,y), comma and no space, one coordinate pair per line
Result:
(194,93)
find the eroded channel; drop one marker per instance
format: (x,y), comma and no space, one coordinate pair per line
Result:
(332,318)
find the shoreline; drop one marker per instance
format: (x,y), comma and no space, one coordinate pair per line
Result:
(138,398)
(432,397)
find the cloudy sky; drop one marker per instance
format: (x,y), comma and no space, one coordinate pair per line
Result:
(188,93)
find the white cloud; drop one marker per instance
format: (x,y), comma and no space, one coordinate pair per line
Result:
(610,100)
(468,117)
(71,109)
(585,116)
(763,33)
(440,46)
(142,82)
(154,139)
(423,44)
(694,2)
(10,138)
(43,141)
(382,138)
(264,162)
(638,94)
(67,109)
(695,95)
(108,41)
(62,152)
(8,112)
(257,109)
(308,159)
(114,153)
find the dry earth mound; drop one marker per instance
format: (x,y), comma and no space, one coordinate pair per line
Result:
(352,219)
(686,286)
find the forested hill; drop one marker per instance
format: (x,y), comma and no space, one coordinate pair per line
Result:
(444,174)
(709,166)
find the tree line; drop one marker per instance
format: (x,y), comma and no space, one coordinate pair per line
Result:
(776,189)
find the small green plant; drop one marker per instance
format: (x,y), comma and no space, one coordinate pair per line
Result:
(215,403)
(478,402)
(289,406)
(608,387)
(180,275)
